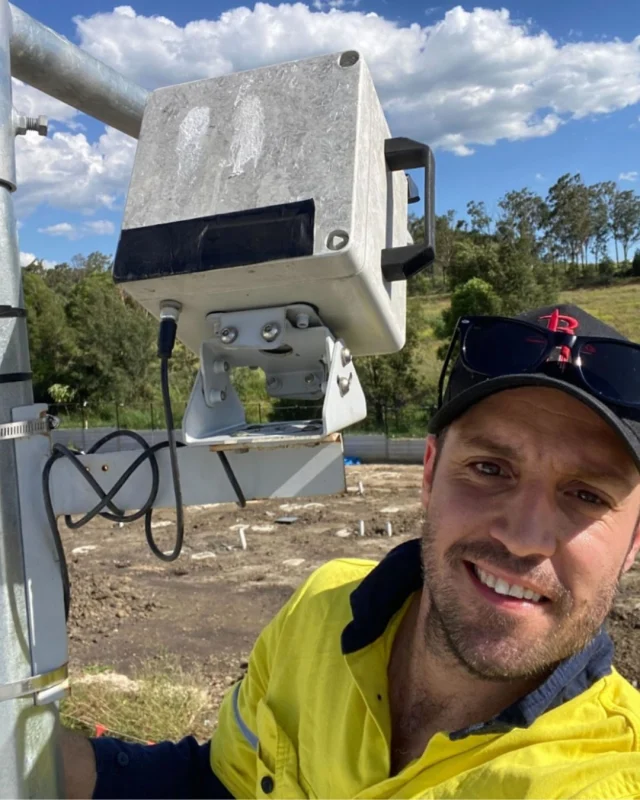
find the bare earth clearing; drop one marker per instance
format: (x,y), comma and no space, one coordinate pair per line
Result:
(206,609)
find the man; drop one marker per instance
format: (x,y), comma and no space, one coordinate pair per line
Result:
(470,663)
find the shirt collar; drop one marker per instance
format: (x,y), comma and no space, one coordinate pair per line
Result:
(383,592)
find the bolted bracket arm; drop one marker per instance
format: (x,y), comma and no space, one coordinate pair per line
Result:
(301,360)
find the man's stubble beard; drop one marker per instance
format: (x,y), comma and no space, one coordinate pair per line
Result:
(486,641)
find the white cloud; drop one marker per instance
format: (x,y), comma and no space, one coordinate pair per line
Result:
(471,78)
(628,176)
(70,172)
(61,229)
(539,176)
(26,259)
(98,227)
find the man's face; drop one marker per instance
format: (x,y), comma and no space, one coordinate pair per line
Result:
(532,492)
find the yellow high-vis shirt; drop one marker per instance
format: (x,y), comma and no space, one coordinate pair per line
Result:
(311,717)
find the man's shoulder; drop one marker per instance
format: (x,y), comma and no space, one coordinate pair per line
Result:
(332,583)
(339,572)
(620,698)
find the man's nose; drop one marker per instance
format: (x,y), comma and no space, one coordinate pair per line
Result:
(529,525)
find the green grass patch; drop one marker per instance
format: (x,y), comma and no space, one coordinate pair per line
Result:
(160,701)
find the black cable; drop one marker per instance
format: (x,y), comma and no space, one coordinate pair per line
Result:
(166,340)
(175,472)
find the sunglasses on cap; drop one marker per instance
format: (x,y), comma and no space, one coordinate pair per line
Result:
(495,346)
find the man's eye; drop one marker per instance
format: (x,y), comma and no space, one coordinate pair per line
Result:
(589,497)
(487,468)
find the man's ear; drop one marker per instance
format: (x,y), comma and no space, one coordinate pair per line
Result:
(430,456)
(633,550)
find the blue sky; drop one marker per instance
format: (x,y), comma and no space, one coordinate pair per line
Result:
(508,99)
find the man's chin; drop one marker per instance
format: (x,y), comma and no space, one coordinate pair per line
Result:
(494,646)
(505,662)
(496,657)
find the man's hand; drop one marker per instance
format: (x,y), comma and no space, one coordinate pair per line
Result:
(79,765)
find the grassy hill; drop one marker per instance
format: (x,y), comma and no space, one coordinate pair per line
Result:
(618,305)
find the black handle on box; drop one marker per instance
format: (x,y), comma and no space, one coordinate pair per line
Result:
(402,263)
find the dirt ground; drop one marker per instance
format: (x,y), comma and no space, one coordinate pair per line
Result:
(206,609)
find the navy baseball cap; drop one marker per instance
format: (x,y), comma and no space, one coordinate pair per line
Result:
(465,388)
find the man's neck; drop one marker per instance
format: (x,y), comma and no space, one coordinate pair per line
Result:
(430,691)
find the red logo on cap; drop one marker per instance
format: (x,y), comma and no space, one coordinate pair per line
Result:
(561,322)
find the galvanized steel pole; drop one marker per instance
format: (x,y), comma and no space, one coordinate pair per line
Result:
(29,766)
(51,63)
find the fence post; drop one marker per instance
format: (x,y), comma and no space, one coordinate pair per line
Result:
(385,416)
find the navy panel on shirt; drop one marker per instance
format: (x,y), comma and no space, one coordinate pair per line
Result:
(165,770)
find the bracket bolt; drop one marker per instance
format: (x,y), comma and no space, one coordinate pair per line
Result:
(228,335)
(302,321)
(271,331)
(310,379)
(274,383)
(220,366)
(217,397)
(347,358)
(344,385)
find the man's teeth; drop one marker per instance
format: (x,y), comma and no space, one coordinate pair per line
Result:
(500,586)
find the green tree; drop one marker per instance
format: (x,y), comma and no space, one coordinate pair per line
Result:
(626,219)
(52,344)
(473,259)
(448,232)
(569,216)
(600,206)
(606,271)
(391,381)
(523,214)
(480,219)
(115,342)
(473,298)
(635,264)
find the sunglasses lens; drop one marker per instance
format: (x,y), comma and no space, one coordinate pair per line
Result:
(497,347)
(613,370)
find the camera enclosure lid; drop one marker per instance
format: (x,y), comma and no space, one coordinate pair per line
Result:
(269,187)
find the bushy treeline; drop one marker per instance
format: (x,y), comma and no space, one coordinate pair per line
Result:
(89,342)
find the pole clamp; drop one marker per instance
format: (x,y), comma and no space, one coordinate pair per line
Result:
(22,430)
(55,679)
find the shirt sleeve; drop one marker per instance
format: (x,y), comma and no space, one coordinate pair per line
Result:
(164,770)
(235,742)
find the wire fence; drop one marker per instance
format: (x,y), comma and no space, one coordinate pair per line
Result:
(405,421)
